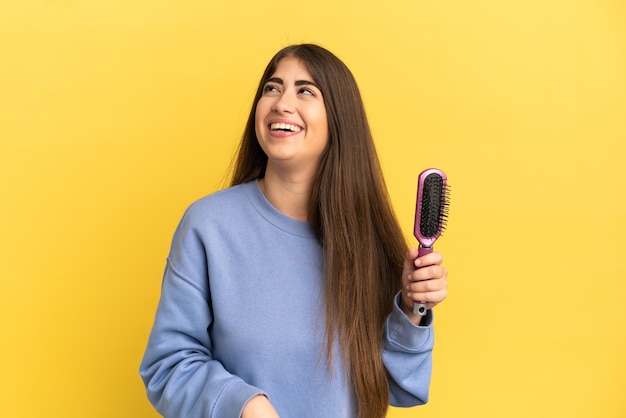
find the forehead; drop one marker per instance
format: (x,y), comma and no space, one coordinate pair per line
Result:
(292,68)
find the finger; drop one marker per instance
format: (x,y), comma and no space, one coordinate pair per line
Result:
(429,259)
(426,286)
(431,298)
(429,291)
(436,271)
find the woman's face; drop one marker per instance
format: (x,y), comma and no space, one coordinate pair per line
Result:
(291,122)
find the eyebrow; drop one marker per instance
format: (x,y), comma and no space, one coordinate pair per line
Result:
(278,80)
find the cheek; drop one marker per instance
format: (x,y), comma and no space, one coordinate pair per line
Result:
(263,107)
(316,115)
(322,123)
(259,117)
(258,113)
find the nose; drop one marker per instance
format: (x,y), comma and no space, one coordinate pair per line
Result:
(284,103)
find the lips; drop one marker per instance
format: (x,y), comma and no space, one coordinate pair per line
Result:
(284,127)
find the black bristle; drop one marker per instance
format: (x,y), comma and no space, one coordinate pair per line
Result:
(434,206)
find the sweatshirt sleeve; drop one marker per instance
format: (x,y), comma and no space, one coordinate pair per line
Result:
(407,355)
(182,378)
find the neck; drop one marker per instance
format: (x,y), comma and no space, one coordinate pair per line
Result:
(288,194)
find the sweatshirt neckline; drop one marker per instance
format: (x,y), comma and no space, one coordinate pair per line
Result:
(271,214)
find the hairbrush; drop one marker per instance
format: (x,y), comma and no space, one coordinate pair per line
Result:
(431,215)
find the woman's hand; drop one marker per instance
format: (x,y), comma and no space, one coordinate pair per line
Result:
(259,407)
(423,280)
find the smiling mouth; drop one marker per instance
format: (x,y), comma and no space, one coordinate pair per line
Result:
(284,127)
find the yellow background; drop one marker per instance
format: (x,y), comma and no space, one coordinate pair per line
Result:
(115,115)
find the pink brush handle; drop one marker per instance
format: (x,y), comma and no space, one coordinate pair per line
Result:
(419,308)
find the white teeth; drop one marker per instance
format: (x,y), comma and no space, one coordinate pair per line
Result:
(285,127)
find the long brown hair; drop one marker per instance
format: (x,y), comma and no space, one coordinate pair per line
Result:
(350,210)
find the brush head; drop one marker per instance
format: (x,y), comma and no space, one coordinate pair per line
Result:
(431,208)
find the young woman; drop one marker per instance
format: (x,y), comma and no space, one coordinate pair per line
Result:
(290,293)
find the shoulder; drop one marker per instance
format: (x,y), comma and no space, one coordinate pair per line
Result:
(222,204)
(218,213)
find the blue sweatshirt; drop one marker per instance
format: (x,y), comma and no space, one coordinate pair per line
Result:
(242,313)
